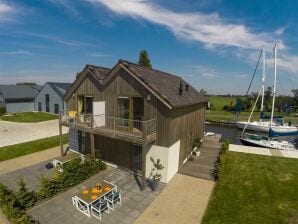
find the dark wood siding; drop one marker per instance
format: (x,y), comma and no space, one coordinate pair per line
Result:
(113,151)
(125,85)
(186,124)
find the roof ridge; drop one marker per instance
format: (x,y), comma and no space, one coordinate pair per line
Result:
(166,73)
(97,66)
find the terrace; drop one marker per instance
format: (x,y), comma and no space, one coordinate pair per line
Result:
(127,129)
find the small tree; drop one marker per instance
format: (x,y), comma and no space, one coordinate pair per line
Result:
(144,59)
(157,167)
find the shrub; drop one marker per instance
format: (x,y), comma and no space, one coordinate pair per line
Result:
(220,162)
(74,172)
(25,198)
(9,204)
(196,143)
(2,110)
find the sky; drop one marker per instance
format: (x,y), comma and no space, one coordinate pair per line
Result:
(212,44)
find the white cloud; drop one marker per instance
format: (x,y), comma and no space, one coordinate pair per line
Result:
(208,29)
(97,55)
(58,39)
(17,52)
(5,11)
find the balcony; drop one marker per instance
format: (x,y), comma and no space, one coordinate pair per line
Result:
(126,129)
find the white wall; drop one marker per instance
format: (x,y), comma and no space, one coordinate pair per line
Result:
(169,158)
(19,107)
(99,109)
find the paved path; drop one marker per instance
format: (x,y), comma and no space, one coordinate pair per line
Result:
(263,151)
(12,133)
(203,165)
(29,160)
(184,200)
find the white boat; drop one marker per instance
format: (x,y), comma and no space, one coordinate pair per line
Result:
(260,141)
(264,126)
(273,129)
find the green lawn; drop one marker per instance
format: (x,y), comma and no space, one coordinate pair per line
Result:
(13,151)
(214,115)
(255,189)
(30,117)
(219,102)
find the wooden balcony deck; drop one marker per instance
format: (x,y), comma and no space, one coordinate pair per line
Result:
(135,131)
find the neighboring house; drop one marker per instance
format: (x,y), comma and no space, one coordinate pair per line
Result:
(18,98)
(130,113)
(50,97)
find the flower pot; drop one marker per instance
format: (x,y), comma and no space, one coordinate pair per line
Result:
(155,184)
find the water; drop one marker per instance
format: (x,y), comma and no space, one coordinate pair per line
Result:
(230,133)
(233,133)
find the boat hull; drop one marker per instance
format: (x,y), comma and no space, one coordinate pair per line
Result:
(265,126)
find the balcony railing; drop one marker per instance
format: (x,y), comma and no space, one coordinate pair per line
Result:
(112,125)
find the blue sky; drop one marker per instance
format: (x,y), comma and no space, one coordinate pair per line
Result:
(213,44)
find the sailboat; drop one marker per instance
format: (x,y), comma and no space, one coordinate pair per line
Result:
(271,141)
(263,125)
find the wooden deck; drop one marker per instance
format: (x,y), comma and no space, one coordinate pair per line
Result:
(203,165)
(134,136)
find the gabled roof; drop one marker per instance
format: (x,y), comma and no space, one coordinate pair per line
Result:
(14,93)
(59,88)
(99,72)
(166,85)
(163,85)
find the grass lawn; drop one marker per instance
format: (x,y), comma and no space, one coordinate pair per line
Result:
(255,189)
(30,117)
(13,151)
(214,115)
(219,102)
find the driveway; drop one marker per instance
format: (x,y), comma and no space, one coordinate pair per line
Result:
(12,133)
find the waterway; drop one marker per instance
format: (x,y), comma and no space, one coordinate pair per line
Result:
(231,133)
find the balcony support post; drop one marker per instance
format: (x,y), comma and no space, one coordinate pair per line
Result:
(144,152)
(60,135)
(92,144)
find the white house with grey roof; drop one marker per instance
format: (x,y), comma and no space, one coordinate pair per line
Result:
(18,98)
(50,97)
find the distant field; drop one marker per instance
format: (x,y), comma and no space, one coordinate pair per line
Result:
(220,101)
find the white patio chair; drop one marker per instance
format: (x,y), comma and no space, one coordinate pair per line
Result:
(113,198)
(82,207)
(99,207)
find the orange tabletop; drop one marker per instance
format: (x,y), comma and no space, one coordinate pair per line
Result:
(90,194)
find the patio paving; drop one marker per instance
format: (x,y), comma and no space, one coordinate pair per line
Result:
(31,175)
(134,202)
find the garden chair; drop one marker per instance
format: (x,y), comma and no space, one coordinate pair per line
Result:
(99,207)
(82,207)
(113,198)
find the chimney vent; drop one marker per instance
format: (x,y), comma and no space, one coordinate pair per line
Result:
(181,88)
(186,87)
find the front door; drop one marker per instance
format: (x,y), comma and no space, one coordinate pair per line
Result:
(136,157)
(56,108)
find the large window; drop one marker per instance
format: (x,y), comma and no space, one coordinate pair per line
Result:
(47,102)
(123,110)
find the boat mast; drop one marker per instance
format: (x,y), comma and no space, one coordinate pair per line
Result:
(263,79)
(274,86)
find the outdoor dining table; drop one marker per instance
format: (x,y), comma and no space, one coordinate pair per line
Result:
(90,195)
